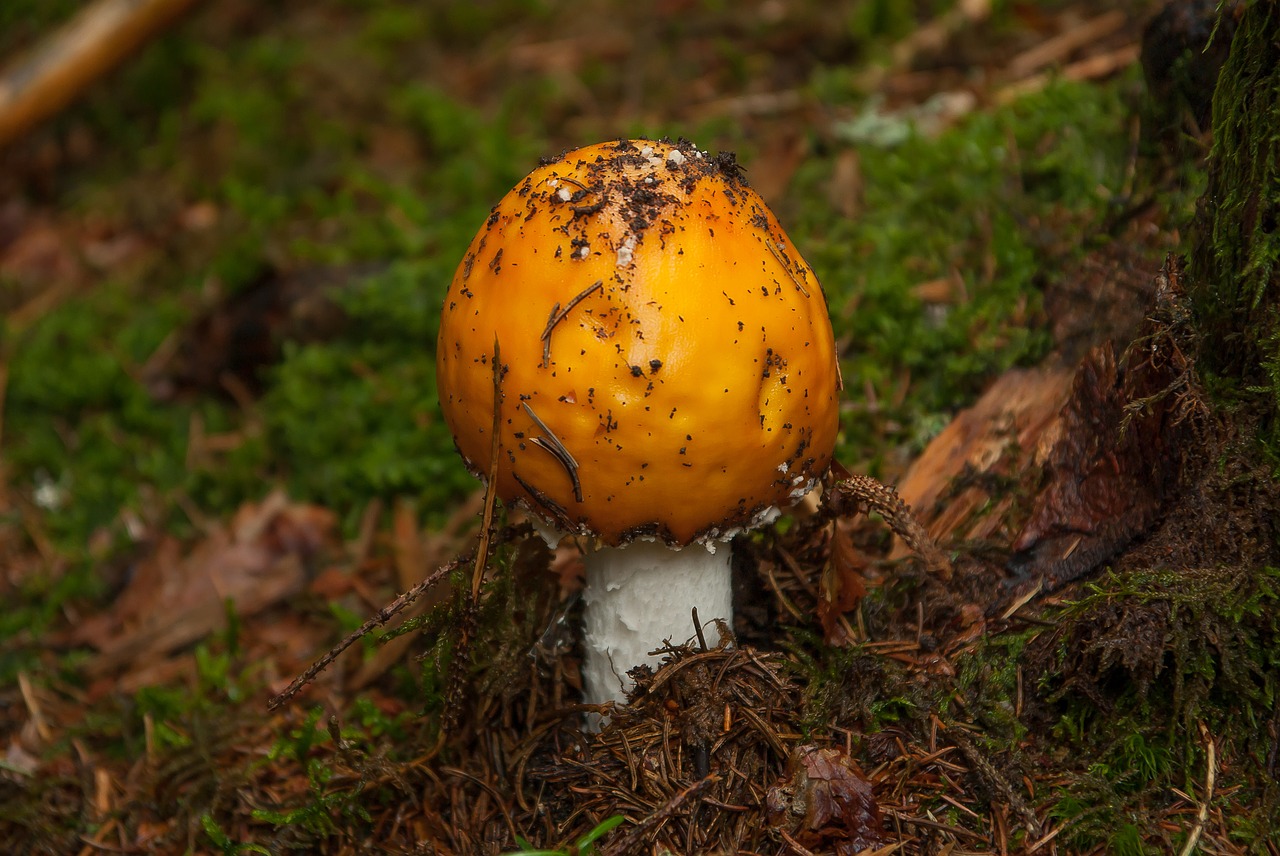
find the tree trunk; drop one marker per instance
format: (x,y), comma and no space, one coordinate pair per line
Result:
(1234,285)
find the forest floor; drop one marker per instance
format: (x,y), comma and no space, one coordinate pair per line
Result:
(221,453)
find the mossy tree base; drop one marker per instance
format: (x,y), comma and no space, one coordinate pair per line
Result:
(1234,286)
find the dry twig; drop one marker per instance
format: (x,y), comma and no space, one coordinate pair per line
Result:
(467,622)
(38,85)
(630,842)
(1210,782)
(384,615)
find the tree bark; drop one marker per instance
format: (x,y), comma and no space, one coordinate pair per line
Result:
(1233,287)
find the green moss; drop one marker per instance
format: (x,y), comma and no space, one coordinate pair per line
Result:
(1146,658)
(850,686)
(1234,281)
(347,419)
(989,678)
(76,413)
(989,203)
(1215,651)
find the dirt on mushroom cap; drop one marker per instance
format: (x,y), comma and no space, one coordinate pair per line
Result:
(668,366)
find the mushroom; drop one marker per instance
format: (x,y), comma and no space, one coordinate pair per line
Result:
(668,378)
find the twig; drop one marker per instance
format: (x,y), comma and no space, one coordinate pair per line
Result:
(558,315)
(1064,44)
(38,85)
(551,443)
(491,489)
(630,843)
(786,264)
(33,708)
(466,625)
(1089,68)
(384,615)
(1210,781)
(956,831)
(863,493)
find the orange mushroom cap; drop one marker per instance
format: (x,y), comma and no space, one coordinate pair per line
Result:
(668,366)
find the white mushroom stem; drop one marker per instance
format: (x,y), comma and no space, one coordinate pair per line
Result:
(640,596)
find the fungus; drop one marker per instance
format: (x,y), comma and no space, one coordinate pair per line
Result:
(658,396)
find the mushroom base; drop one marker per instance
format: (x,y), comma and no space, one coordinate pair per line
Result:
(640,596)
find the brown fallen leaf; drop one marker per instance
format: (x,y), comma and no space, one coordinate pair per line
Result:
(843,583)
(417,553)
(178,595)
(41,252)
(825,802)
(1116,459)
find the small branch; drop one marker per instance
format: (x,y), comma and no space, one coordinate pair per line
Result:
(1055,50)
(383,616)
(786,264)
(1089,68)
(631,842)
(33,708)
(1210,782)
(468,621)
(41,83)
(558,315)
(552,444)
